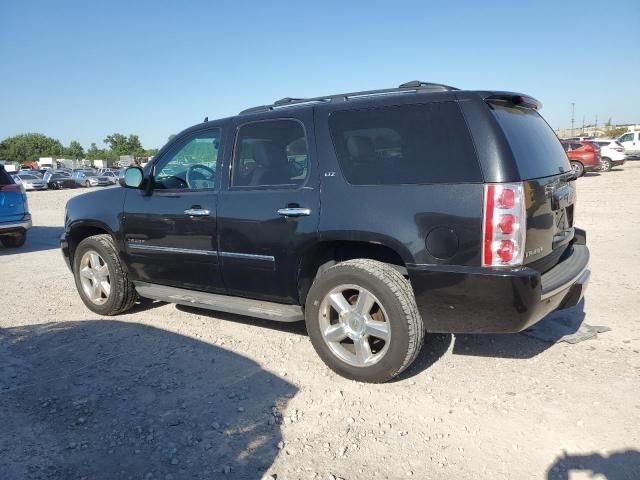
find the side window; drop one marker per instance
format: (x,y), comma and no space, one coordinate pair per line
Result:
(270,153)
(192,166)
(407,144)
(627,137)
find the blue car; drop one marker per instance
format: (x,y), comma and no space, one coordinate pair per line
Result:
(15,218)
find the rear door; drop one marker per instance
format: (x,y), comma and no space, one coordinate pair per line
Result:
(170,232)
(270,211)
(549,184)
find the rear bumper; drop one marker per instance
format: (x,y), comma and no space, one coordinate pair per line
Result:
(483,300)
(592,168)
(15,227)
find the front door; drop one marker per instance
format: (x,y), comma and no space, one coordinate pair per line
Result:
(170,231)
(630,143)
(269,212)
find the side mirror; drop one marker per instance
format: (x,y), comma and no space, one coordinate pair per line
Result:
(132,177)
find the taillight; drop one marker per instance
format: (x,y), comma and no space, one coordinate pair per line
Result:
(504,225)
(618,149)
(12,187)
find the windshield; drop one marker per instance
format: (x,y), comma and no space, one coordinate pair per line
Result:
(535,146)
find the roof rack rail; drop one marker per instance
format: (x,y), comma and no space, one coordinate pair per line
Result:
(414,86)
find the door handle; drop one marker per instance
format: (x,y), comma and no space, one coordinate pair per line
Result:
(294,212)
(197,212)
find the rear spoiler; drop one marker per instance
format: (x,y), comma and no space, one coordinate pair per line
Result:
(517,99)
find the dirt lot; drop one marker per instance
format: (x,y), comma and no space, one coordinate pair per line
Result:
(169,392)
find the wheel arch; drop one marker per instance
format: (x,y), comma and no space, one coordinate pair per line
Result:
(80,230)
(323,254)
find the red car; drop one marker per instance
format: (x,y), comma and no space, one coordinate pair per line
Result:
(584,155)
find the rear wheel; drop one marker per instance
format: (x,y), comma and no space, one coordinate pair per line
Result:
(363,321)
(14,241)
(606,164)
(100,279)
(577,168)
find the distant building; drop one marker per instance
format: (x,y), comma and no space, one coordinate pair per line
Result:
(593,130)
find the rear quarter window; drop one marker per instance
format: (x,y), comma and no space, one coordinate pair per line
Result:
(538,152)
(405,144)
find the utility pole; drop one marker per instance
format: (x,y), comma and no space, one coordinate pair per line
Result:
(595,126)
(573,121)
(583,125)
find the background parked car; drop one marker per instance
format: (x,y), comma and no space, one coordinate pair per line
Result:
(612,153)
(15,218)
(584,156)
(89,180)
(56,180)
(31,181)
(631,143)
(112,176)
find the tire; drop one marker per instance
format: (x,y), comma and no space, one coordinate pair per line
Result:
(14,241)
(577,168)
(121,295)
(606,164)
(393,304)
(87,184)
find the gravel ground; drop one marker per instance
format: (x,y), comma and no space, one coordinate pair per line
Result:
(170,392)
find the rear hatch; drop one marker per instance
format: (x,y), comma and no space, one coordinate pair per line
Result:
(12,199)
(548,183)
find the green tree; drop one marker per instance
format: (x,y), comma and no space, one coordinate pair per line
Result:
(120,144)
(93,153)
(28,147)
(74,150)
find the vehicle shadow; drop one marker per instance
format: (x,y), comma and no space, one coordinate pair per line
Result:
(109,399)
(38,238)
(297,328)
(435,346)
(620,465)
(527,344)
(592,174)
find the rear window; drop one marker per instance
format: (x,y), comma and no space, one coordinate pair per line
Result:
(406,144)
(535,146)
(5,178)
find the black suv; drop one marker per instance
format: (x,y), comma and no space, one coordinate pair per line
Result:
(374,216)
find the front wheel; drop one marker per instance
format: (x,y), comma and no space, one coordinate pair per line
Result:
(606,164)
(577,168)
(363,321)
(87,184)
(100,278)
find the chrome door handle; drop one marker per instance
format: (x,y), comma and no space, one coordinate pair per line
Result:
(294,212)
(197,212)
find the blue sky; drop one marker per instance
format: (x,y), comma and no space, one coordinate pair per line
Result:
(83,70)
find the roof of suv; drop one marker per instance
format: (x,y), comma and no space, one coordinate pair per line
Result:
(408,87)
(415,86)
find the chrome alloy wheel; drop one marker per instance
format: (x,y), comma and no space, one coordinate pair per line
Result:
(354,325)
(94,277)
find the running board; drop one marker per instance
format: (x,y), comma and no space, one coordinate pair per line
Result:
(223,303)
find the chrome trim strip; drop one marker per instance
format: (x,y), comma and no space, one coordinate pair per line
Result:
(24,224)
(155,248)
(267,258)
